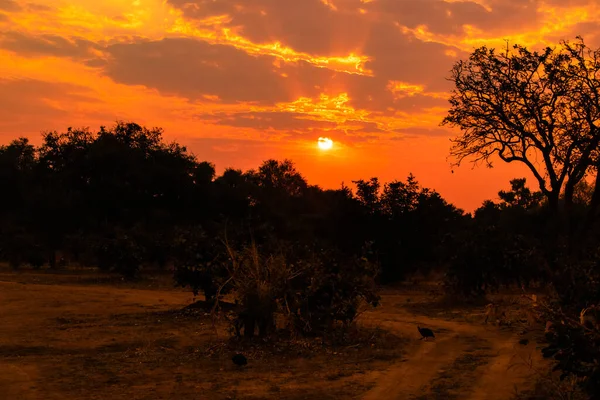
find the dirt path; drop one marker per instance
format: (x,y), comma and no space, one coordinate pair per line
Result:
(15,383)
(466,361)
(407,378)
(66,342)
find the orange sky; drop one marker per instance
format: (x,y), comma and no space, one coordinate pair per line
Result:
(240,81)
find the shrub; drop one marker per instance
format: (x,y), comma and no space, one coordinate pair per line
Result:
(489,257)
(575,349)
(333,289)
(119,253)
(200,262)
(311,288)
(573,342)
(260,283)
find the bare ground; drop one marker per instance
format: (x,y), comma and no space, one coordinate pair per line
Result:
(83,336)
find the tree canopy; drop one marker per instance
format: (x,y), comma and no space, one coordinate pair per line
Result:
(541,109)
(122,198)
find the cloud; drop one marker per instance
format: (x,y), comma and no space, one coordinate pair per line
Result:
(35,7)
(589,30)
(314,26)
(46,45)
(9,5)
(451,17)
(193,69)
(28,105)
(269,120)
(430,132)
(308,26)
(264,77)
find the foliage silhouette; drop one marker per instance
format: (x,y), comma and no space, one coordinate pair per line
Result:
(125,201)
(519,105)
(539,109)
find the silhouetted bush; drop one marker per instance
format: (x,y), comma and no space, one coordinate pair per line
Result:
(200,262)
(487,258)
(332,289)
(119,252)
(311,289)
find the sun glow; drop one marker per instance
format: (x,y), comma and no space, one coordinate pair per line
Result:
(324,143)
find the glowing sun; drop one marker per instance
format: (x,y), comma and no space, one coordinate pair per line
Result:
(325,143)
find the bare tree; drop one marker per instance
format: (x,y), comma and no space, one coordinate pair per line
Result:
(541,109)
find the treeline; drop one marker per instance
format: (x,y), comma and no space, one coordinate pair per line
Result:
(122,198)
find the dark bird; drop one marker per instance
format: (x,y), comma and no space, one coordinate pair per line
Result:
(426,333)
(524,342)
(239,360)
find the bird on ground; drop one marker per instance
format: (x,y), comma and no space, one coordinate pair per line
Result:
(425,333)
(524,342)
(239,360)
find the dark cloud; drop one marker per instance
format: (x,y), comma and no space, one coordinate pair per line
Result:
(419,103)
(45,45)
(448,18)
(27,89)
(398,57)
(9,5)
(192,68)
(310,26)
(426,132)
(38,7)
(307,25)
(96,63)
(313,27)
(365,127)
(568,3)
(297,124)
(267,120)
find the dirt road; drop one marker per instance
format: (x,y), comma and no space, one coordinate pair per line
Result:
(467,360)
(70,341)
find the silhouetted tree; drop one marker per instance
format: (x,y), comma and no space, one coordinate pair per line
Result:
(368,194)
(540,109)
(524,106)
(520,196)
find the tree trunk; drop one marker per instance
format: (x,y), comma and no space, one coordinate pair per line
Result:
(553,203)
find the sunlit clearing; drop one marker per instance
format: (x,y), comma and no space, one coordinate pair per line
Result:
(325,143)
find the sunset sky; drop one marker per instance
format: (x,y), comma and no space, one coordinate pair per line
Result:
(240,81)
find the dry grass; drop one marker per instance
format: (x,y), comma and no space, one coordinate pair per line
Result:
(72,336)
(82,335)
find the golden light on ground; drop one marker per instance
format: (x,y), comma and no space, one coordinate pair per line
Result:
(324,143)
